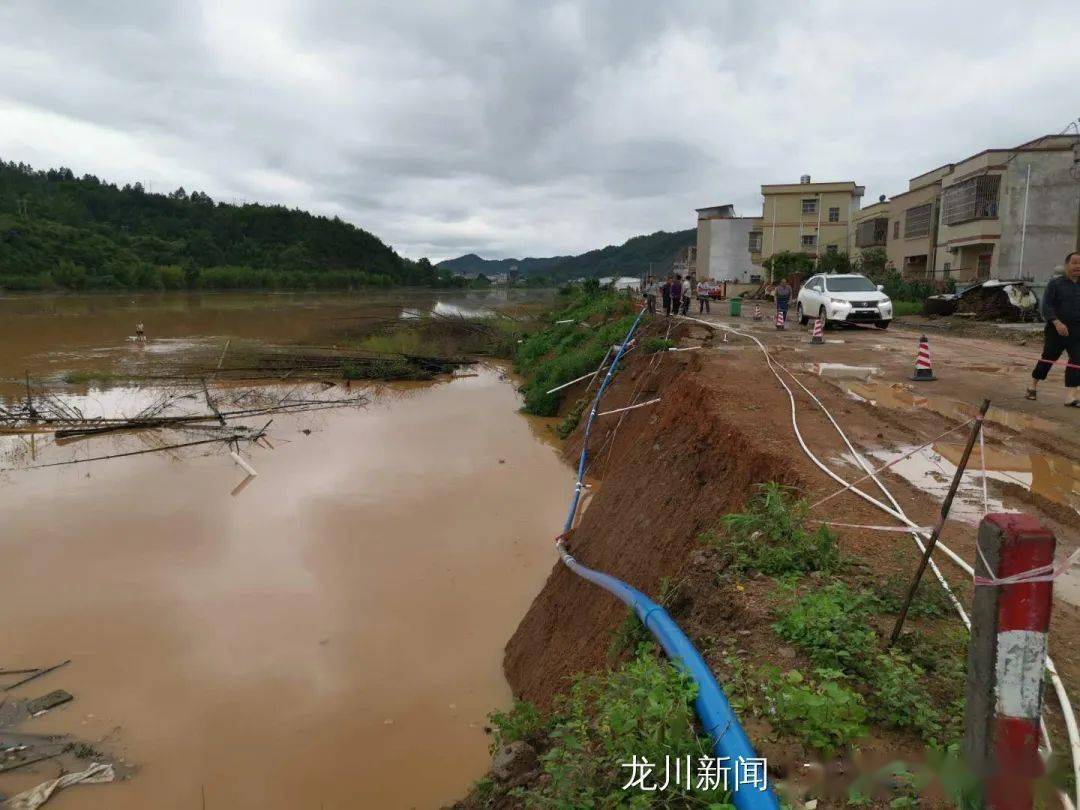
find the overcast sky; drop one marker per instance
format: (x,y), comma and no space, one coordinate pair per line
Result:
(524,128)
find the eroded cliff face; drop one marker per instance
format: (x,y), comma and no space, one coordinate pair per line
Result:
(671,471)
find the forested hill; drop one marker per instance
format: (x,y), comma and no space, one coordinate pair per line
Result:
(632,258)
(62,231)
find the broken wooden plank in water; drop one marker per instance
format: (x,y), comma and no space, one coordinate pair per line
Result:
(58,697)
(25,762)
(37,675)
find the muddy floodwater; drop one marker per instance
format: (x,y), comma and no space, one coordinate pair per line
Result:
(329,636)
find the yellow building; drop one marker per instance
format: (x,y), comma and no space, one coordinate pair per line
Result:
(805,217)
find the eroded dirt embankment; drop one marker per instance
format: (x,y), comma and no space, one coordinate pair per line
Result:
(670,473)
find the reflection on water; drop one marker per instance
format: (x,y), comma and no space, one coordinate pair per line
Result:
(1051,476)
(314,639)
(904,398)
(51,335)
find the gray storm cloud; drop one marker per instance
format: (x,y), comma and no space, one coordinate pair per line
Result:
(521,128)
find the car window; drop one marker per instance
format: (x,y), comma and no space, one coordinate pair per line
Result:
(850,284)
(815,284)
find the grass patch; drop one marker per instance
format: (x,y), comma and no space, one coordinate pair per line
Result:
(570,422)
(653,345)
(643,708)
(833,626)
(631,633)
(560,352)
(88,377)
(385,368)
(930,598)
(901,308)
(771,536)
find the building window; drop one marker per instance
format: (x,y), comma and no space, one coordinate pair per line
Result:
(917,221)
(983,266)
(755,241)
(872,232)
(809,206)
(809,240)
(896,229)
(834,215)
(976,198)
(833,249)
(947,268)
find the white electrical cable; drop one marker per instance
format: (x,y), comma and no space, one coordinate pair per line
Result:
(898,513)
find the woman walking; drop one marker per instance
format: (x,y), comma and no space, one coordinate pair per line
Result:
(1061,308)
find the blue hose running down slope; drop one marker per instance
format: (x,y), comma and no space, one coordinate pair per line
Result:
(713,709)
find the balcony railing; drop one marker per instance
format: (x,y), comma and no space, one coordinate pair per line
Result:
(976,198)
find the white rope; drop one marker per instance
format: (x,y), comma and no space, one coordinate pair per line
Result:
(918,536)
(630,407)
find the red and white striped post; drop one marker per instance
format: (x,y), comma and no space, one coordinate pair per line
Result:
(1007,656)
(779,319)
(818,338)
(757,312)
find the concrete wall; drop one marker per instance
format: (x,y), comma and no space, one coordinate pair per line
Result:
(722,249)
(1052,217)
(900,248)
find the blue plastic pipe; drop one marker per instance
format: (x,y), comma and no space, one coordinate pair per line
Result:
(713,709)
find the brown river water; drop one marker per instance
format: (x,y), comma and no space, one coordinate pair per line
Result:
(331,635)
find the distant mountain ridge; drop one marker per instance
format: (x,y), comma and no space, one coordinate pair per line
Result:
(632,258)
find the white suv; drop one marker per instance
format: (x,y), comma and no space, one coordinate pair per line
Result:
(844,298)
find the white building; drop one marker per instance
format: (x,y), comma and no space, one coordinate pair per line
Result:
(722,240)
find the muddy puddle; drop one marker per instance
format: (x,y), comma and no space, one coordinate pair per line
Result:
(1009,475)
(329,634)
(901,397)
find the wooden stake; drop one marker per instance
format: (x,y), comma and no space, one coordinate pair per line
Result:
(945,507)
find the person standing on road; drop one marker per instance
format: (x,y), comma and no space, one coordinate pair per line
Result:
(651,291)
(702,300)
(783,296)
(1061,308)
(686,295)
(676,294)
(665,293)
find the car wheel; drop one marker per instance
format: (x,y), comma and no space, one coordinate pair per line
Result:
(883,324)
(822,316)
(803,320)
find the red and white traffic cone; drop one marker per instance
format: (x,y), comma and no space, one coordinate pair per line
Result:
(757,312)
(818,337)
(779,319)
(924,372)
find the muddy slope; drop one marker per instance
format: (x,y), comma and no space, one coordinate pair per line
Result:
(671,471)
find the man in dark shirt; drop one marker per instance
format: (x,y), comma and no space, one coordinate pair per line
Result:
(1061,308)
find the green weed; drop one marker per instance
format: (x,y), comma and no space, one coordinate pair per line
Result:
(771,536)
(833,626)
(930,598)
(570,422)
(522,722)
(822,712)
(653,345)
